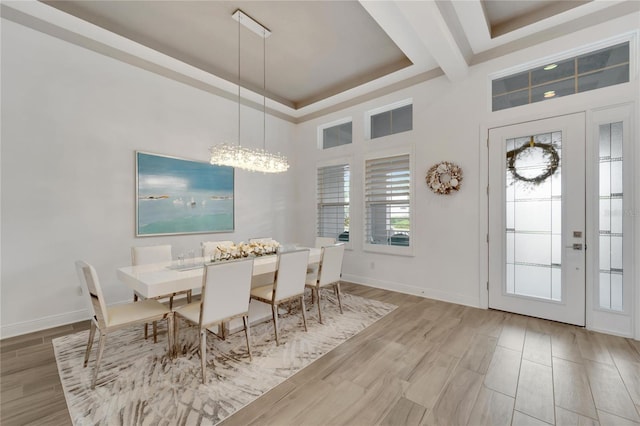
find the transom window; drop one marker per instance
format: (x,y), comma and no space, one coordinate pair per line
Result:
(593,70)
(390,119)
(335,134)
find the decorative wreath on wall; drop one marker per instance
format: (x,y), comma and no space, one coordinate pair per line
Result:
(549,154)
(444,177)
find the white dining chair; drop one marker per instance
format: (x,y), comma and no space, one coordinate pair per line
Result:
(328,273)
(324,241)
(144,255)
(289,284)
(225,295)
(110,318)
(209,247)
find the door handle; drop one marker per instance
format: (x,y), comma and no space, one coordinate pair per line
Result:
(575,246)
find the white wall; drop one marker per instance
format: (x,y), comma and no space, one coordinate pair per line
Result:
(71,122)
(72,119)
(450,123)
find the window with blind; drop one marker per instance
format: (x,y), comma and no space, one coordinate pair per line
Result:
(388,201)
(333,202)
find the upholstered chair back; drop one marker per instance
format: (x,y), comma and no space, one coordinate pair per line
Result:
(93,292)
(324,241)
(291,274)
(225,290)
(331,264)
(150,254)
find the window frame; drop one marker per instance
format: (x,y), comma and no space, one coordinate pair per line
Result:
(607,115)
(390,249)
(630,37)
(332,163)
(322,127)
(382,109)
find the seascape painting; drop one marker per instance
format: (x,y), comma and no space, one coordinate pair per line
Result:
(177,196)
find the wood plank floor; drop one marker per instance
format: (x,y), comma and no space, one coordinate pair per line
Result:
(427,363)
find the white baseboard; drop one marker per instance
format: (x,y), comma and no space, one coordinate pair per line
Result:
(16,329)
(416,291)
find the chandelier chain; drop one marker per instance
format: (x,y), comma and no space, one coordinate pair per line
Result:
(235,155)
(264,92)
(239,78)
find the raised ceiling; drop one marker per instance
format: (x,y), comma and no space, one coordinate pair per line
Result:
(316,48)
(322,55)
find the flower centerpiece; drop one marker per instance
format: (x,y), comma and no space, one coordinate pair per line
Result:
(242,249)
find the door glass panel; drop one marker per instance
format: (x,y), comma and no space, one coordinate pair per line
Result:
(533,208)
(610,217)
(533,281)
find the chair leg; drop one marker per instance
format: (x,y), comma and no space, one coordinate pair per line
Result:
(274,311)
(92,334)
(245,321)
(171,301)
(171,334)
(146,331)
(203,354)
(189,295)
(176,346)
(103,338)
(155,332)
(336,286)
(304,313)
(319,309)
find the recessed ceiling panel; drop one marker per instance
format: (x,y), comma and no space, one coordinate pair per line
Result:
(317,48)
(508,15)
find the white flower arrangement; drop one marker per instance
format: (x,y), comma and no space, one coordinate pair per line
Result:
(242,249)
(444,177)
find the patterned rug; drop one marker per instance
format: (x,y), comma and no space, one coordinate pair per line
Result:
(139,385)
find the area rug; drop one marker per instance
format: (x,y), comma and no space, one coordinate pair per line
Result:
(138,384)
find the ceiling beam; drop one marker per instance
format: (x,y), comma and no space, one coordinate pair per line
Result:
(474,22)
(433,32)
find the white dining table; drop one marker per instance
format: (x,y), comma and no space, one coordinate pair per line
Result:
(160,279)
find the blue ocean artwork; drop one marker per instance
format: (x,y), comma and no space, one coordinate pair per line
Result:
(177,196)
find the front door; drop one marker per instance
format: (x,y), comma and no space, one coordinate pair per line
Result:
(537,218)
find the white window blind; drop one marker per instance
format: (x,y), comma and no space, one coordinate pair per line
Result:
(333,202)
(387,200)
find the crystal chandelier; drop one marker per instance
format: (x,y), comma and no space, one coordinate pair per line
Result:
(255,160)
(234,155)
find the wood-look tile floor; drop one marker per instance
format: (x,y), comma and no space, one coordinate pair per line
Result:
(427,363)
